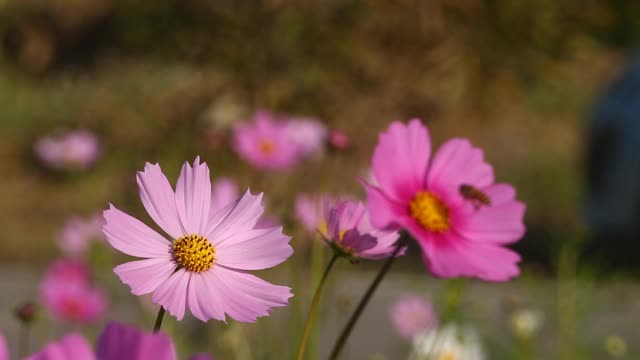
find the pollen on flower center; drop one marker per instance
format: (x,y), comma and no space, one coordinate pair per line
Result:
(266,146)
(430,211)
(194,253)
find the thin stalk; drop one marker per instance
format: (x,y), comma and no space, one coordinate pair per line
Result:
(365,299)
(159,318)
(314,306)
(23,342)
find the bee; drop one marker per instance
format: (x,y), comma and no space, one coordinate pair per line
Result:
(475,196)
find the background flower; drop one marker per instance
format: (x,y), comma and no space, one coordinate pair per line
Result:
(264,142)
(77,149)
(69,296)
(411,315)
(77,234)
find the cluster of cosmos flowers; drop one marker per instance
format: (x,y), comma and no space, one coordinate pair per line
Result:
(213,236)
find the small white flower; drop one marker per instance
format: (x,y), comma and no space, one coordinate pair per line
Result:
(448,343)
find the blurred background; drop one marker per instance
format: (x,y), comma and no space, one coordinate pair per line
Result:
(549,89)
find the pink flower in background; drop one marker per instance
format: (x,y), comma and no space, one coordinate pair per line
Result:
(78,233)
(346,226)
(69,296)
(204,265)
(449,204)
(116,342)
(308,210)
(75,149)
(70,347)
(265,143)
(224,191)
(4,349)
(124,342)
(309,135)
(67,270)
(411,315)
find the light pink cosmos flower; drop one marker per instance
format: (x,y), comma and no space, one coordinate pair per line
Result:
(308,210)
(75,149)
(204,265)
(449,204)
(309,135)
(77,234)
(69,296)
(345,225)
(411,315)
(265,143)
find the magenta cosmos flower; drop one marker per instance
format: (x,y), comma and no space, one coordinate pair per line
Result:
(449,204)
(411,315)
(68,294)
(75,149)
(265,143)
(204,264)
(346,227)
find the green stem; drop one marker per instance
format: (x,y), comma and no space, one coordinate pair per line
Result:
(158,324)
(367,296)
(314,306)
(23,347)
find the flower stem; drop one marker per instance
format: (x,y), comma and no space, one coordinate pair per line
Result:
(158,324)
(367,296)
(314,306)
(23,347)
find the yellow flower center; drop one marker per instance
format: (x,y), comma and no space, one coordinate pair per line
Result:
(430,211)
(266,146)
(194,253)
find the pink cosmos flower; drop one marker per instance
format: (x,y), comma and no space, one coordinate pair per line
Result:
(75,149)
(68,295)
(78,232)
(265,143)
(224,191)
(124,342)
(116,342)
(70,347)
(308,210)
(204,265)
(309,135)
(4,349)
(449,204)
(345,225)
(411,315)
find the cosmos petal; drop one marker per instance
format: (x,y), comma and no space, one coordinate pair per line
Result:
(193,197)
(238,217)
(255,249)
(123,342)
(159,199)
(401,159)
(145,276)
(172,293)
(458,162)
(131,236)
(245,297)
